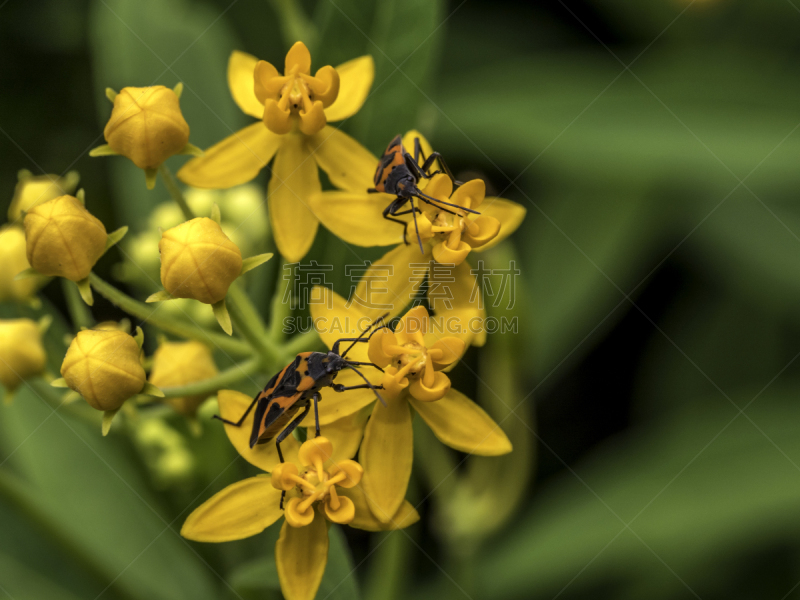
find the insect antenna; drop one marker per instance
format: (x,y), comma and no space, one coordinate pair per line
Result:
(361,335)
(430,198)
(374,388)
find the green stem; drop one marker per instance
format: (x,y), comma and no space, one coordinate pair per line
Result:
(218,382)
(304,342)
(171,325)
(26,502)
(386,577)
(295,25)
(80,313)
(248,323)
(175,191)
(54,397)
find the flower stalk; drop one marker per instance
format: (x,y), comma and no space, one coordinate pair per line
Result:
(167,324)
(226,378)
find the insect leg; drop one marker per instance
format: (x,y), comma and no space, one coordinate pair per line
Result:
(244,416)
(338,387)
(317,398)
(289,429)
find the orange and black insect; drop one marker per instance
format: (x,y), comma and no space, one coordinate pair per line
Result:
(297,385)
(399,173)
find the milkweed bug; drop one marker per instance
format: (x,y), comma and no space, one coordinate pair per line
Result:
(297,385)
(399,173)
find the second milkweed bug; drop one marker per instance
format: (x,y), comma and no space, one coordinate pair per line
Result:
(399,173)
(296,386)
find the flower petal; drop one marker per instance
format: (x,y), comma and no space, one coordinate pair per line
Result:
(242,509)
(461,424)
(232,405)
(236,159)
(334,319)
(352,470)
(510,214)
(445,255)
(487,229)
(294,180)
(295,516)
(355,80)
(241,67)
(335,406)
(391,281)
(345,433)
(356,218)
(301,554)
(470,194)
(314,450)
(343,514)
(364,519)
(459,312)
(451,348)
(439,387)
(386,455)
(299,56)
(427,149)
(383,338)
(349,165)
(440,186)
(413,326)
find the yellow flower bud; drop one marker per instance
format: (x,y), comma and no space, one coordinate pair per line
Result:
(104,367)
(64,239)
(198,261)
(13,260)
(147,125)
(21,352)
(181,363)
(32,191)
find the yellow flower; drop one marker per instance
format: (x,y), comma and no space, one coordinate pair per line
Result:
(63,238)
(406,357)
(293,110)
(31,191)
(146,126)
(198,261)
(22,355)
(447,239)
(180,363)
(104,367)
(321,484)
(315,483)
(414,356)
(14,260)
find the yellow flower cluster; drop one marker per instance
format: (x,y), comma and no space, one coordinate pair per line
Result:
(381,381)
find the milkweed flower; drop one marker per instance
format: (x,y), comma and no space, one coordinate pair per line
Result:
(199,261)
(447,240)
(294,109)
(317,488)
(146,126)
(104,367)
(180,363)
(64,239)
(32,190)
(22,354)
(413,377)
(14,260)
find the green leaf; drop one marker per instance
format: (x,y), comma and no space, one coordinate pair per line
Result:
(701,488)
(405,60)
(248,264)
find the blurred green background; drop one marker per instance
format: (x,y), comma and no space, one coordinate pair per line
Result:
(655,147)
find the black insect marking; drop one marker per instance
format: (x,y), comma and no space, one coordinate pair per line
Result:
(305,372)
